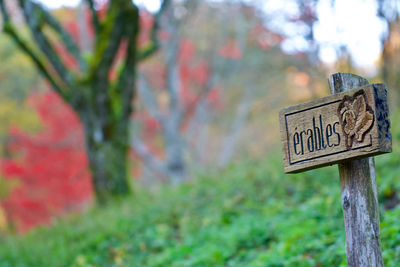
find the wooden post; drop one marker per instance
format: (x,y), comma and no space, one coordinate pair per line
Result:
(345,128)
(359,195)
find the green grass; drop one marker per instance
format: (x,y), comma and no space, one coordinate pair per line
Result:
(250,214)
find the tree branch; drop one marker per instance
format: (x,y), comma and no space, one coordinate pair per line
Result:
(108,43)
(10,30)
(6,17)
(35,22)
(39,64)
(171,49)
(126,79)
(95,18)
(202,109)
(154,45)
(121,22)
(143,151)
(149,99)
(64,35)
(199,120)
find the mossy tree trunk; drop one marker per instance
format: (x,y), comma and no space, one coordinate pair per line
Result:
(103,105)
(107,151)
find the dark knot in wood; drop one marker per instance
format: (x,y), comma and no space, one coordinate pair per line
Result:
(346,203)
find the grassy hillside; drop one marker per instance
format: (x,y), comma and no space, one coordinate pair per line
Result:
(251,214)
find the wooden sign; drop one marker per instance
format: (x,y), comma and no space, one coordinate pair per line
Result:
(348,128)
(335,128)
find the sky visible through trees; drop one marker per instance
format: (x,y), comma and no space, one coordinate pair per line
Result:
(336,27)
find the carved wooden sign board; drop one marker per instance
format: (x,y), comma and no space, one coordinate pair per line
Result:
(335,128)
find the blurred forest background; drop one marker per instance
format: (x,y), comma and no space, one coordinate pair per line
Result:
(176,104)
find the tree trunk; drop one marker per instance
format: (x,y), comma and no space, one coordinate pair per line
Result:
(174,153)
(390,62)
(175,163)
(103,104)
(108,160)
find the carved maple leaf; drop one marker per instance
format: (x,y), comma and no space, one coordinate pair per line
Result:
(355,118)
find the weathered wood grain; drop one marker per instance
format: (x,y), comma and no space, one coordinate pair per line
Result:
(358,186)
(329,130)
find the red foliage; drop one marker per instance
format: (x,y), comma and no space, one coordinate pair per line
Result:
(73,29)
(151,124)
(200,73)
(264,38)
(186,51)
(214,98)
(231,50)
(192,74)
(51,166)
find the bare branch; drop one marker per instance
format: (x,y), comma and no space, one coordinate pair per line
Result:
(6,17)
(202,109)
(143,151)
(154,45)
(171,49)
(149,99)
(199,120)
(173,73)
